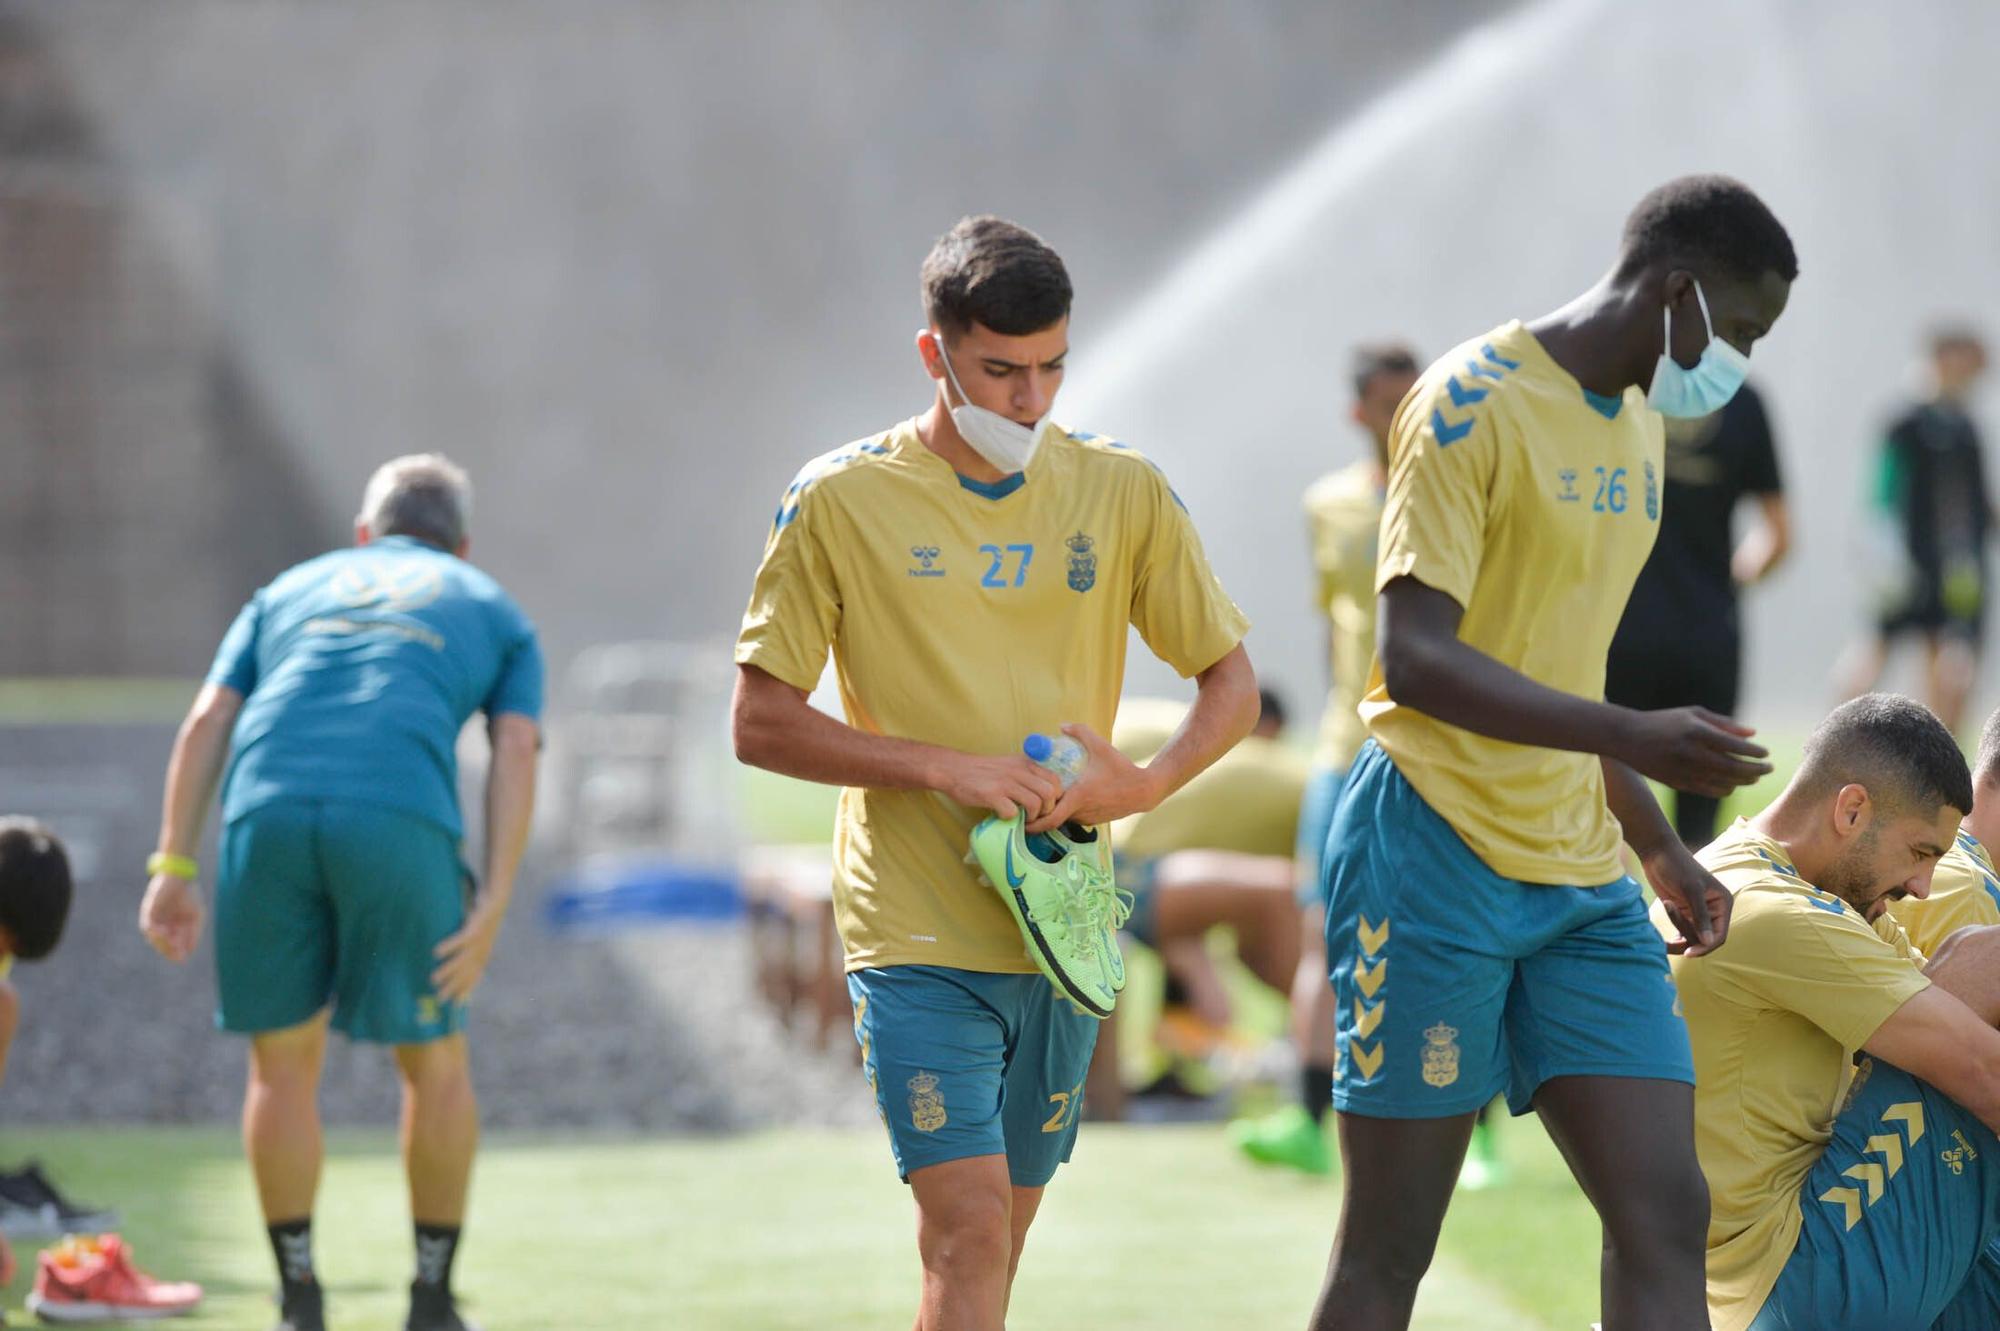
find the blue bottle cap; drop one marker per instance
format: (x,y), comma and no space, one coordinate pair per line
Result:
(1038,747)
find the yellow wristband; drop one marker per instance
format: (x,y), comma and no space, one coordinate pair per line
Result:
(180,866)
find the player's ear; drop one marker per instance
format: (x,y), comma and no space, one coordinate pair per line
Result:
(927,351)
(362,535)
(1354,414)
(464,547)
(1852,810)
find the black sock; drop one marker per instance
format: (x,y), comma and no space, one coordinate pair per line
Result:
(292,1245)
(437,1248)
(1316,1087)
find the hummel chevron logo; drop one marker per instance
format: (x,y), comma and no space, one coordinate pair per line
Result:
(1870,1175)
(1366,1018)
(1462,396)
(1890,1147)
(1373,938)
(1366,1059)
(1911,1115)
(1370,977)
(1447,433)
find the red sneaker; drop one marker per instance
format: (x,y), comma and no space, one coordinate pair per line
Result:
(92,1279)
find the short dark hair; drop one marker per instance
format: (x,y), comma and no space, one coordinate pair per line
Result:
(1986,766)
(1373,358)
(988,271)
(1709,224)
(34,887)
(1895,747)
(1271,707)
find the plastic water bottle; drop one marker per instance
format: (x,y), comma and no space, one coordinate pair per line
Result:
(1061,754)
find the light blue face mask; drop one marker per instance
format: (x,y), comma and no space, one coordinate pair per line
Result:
(1704,389)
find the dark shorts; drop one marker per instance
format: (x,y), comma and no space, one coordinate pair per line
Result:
(967,1063)
(1957,609)
(322,901)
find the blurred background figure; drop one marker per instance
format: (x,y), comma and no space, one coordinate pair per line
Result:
(1214,855)
(1933,512)
(1681,642)
(1343,516)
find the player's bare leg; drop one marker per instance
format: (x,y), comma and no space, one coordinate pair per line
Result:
(1312,996)
(1860,666)
(1026,1201)
(1400,1175)
(440,1127)
(1653,1202)
(1253,894)
(281,1124)
(966,1241)
(1952,666)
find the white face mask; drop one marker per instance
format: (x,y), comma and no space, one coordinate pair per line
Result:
(1008,445)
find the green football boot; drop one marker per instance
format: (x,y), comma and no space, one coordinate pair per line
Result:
(1093,848)
(1060,893)
(1292,1137)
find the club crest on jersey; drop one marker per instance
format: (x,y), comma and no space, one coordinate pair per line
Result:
(1082,562)
(1652,494)
(926,557)
(1441,1055)
(926,1105)
(1568,478)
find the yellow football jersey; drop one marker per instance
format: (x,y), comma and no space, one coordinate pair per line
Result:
(1246,801)
(1775,1016)
(1515,496)
(1344,516)
(1964,891)
(969,615)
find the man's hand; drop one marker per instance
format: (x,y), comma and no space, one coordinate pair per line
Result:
(1695,902)
(1692,749)
(1111,787)
(462,957)
(1007,785)
(171,916)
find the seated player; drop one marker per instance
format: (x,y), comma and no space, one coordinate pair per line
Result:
(1845,1197)
(1217,852)
(35,894)
(1965,890)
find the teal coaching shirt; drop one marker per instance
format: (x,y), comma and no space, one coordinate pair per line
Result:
(360,668)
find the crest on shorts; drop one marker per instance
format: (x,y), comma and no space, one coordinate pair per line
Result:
(1652,494)
(926,1105)
(1441,1055)
(1082,562)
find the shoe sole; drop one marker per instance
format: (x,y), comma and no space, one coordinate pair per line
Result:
(50,1311)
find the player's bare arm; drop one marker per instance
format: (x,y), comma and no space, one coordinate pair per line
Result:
(1697,904)
(1224,711)
(1937,1038)
(171,914)
(1425,665)
(510,812)
(774,727)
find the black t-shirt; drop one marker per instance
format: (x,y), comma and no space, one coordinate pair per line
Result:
(1685,591)
(1934,480)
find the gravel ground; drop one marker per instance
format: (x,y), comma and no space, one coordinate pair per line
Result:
(656,1029)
